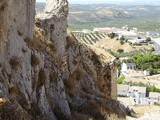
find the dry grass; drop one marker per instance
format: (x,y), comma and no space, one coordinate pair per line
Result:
(102,55)
(31,43)
(34,82)
(14,90)
(70,40)
(53,76)
(11,111)
(71,82)
(39,41)
(35,61)
(109,116)
(114,45)
(41,78)
(77,115)
(15,62)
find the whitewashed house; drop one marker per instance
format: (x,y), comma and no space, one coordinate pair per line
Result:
(152,34)
(127,66)
(146,73)
(154,97)
(137,92)
(137,40)
(123,89)
(86,31)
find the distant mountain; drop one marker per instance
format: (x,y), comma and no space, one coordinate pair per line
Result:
(99,13)
(108,12)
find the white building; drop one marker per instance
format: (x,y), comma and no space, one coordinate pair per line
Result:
(146,73)
(154,97)
(86,31)
(137,92)
(123,89)
(152,34)
(127,66)
(137,40)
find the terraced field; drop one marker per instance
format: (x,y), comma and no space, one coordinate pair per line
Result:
(89,38)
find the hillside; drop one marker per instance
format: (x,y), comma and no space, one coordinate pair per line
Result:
(102,41)
(144,17)
(97,15)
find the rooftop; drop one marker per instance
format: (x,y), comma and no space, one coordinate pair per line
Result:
(130,64)
(122,87)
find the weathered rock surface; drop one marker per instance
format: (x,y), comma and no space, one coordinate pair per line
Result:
(46,75)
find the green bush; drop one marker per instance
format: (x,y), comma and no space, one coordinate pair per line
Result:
(120,79)
(147,62)
(122,96)
(121,41)
(120,51)
(148,39)
(157,104)
(112,35)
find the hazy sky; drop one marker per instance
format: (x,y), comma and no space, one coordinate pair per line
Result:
(111,1)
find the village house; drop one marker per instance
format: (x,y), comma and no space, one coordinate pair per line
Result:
(86,31)
(154,97)
(137,92)
(123,89)
(131,91)
(127,67)
(137,40)
(106,30)
(152,34)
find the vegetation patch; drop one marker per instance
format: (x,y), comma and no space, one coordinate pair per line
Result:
(147,62)
(15,62)
(14,90)
(120,79)
(150,88)
(41,78)
(35,61)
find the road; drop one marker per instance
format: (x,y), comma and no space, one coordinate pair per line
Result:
(156,44)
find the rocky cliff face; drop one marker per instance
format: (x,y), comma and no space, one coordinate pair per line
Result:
(46,75)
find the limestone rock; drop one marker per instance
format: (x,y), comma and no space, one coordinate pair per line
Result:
(46,75)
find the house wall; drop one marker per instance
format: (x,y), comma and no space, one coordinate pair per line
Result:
(123,67)
(137,95)
(121,92)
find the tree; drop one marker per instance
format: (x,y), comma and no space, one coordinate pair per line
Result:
(152,49)
(112,35)
(121,41)
(120,50)
(148,39)
(120,79)
(122,37)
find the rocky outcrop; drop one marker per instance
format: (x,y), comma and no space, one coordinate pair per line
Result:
(46,75)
